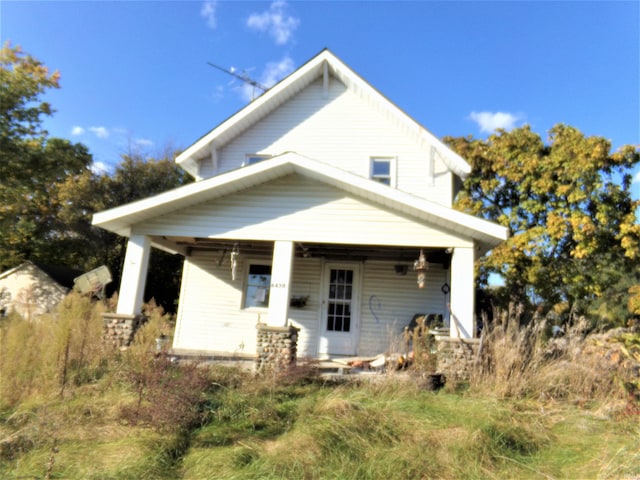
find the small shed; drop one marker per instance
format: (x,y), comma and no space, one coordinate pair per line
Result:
(32,289)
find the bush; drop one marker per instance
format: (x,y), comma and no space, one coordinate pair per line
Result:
(170,396)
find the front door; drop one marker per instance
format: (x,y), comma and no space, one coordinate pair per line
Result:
(340,317)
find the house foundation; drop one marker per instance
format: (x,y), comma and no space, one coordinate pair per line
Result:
(276,347)
(457,357)
(119,329)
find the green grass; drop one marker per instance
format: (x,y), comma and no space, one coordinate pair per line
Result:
(259,430)
(380,431)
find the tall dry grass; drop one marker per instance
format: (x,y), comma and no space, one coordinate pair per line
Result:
(65,348)
(47,354)
(529,362)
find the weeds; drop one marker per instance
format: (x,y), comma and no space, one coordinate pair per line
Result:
(525,362)
(38,356)
(536,407)
(170,396)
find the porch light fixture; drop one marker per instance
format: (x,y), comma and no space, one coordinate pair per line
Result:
(421,266)
(401,269)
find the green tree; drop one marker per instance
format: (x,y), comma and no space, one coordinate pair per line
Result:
(31,166)
(567,203)
(134,178)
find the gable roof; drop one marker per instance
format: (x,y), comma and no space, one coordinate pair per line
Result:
(323,63)
(122,219)
(61,275)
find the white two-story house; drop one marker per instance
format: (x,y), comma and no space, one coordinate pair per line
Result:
(310,208)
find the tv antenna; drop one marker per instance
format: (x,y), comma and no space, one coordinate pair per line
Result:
(242,76)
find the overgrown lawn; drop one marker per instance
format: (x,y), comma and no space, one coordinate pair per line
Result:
(69,408)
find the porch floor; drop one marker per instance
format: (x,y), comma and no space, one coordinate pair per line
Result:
(329,366)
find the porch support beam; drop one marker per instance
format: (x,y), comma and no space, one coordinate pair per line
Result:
(214,159)
(462,306)
(134,275)
(325,79)
(280,283)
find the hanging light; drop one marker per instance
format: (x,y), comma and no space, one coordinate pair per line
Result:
(421,266)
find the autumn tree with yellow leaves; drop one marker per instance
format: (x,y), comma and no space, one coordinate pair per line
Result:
(574,242)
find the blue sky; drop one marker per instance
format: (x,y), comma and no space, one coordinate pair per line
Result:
(135,74)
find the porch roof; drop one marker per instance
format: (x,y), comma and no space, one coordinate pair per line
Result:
(122,220)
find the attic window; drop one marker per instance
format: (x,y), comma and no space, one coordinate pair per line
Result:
(254,158)
(382,169)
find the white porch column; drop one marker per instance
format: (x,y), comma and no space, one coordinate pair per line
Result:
(280,283)
(462,293)
(134,275)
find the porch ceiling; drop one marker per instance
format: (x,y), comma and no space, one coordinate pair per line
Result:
(315,250)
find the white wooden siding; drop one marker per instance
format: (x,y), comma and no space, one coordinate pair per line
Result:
(390,301)
(299,209)
(306,282)
(210,317)
(341,129)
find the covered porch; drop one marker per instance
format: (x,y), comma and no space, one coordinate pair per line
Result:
(291,242)
(346,300)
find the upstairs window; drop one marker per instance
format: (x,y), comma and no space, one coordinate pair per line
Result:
(382,169)
(256,292)
(254,158)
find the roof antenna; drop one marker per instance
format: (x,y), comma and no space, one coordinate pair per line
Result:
(244,77)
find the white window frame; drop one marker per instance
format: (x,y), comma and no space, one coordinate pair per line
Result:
(246,285)
(253,158)
(392,170)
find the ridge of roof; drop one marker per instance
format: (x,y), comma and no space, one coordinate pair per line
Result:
(301,77)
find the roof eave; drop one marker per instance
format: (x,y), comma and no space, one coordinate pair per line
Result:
(121,220)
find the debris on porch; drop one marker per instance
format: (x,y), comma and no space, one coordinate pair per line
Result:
(377,368)
(384,362)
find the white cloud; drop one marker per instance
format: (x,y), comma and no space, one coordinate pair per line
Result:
(272,74)
(100,132)
(636,177)
(275,21)
(218,94)
(143,142)
(99,168)
(276,71)
(208,12)
(490,121)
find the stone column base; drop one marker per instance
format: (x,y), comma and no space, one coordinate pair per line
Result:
(119,328)
(276,348)
(456,357)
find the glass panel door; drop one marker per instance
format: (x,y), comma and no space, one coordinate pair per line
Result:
(339,301)
(339,330)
